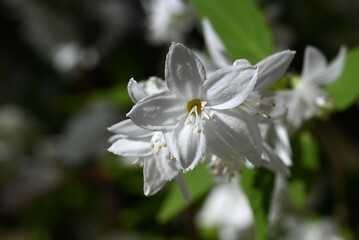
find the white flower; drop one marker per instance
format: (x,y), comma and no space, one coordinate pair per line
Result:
(168,20)
(261,104)
(321,229)
(196,112)
(265,105)
(228,208)
(149,146)
(308,97)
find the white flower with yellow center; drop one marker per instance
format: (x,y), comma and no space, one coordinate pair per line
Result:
(196,112)
(308,96)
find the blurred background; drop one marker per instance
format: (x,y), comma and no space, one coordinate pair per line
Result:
(64,69)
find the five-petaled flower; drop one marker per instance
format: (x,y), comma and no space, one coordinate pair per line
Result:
(196,112)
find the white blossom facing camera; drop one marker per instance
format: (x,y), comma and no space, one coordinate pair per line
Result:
(308,96)
(196,111)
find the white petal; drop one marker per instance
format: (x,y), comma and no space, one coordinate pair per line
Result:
(214,45)
(127,128)
(296,110)
(282,143)
(129,148)
(159,112)
(274,163)
(153,181)
(228,136)
(230,86)
(334,70)
(167,165)
(314,63)
(135,91)
(271,68)
(186,144)
(184,72)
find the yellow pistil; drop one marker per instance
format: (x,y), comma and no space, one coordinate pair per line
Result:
(195,103)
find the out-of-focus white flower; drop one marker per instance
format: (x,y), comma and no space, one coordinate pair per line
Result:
(322,229)
(68,56)
(196,112)
(307,96)
(228,209)
(167,20)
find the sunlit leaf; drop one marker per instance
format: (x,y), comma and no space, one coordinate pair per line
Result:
(345,90)
(199,181)
(258,185)
(240,25)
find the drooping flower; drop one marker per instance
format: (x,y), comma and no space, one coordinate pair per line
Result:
(227,208)
(167,20)
(308,95)
(149,147)
(261,104)
(196,112)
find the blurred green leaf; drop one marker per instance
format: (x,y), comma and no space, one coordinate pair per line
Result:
(258,185)
(117,95)
(240,25)
(297,190)
(345,90)
(199,181)
(309,151)
(305,166)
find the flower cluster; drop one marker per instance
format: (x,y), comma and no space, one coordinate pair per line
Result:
(175,124)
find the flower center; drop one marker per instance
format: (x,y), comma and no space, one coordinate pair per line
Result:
(197,114)
(195,103)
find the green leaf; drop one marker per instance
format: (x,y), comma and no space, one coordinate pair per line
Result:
(305,166)
(258,186)
(345,90)
(199,181)
(309,151)
(240,25)
(117,94)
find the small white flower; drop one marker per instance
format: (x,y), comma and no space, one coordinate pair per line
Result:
(168,20)
(307,97)
(196,112)
(152,151)
(149,146)
(227,207)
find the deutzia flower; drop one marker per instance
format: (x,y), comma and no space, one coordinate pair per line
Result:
(149,146)
(168,20)
(227,207)
(308,97)
(196,112)
(261,105)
